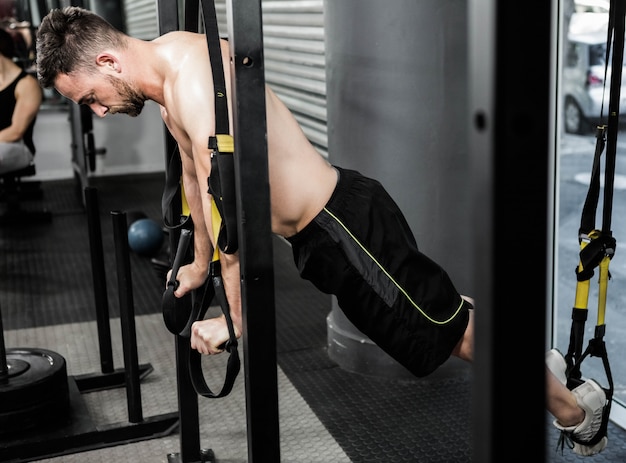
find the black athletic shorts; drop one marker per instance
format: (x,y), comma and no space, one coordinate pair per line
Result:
(361,249)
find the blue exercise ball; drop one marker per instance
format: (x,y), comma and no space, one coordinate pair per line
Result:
(145,236)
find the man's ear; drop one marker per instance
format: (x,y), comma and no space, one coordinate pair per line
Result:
(108,61)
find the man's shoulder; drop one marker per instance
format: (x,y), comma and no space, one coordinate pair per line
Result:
(176,37)
(182,47)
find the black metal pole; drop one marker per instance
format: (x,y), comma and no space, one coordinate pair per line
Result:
(192,17)
(256,250)
(127,317)
(614,111)
(99,279)
(511,174)
(187,398)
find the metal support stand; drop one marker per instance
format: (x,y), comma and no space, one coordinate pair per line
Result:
(79,432)
(127,317)
(109,377)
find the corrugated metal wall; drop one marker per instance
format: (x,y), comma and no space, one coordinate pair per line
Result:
(293,36)
(294,54)
(141,18)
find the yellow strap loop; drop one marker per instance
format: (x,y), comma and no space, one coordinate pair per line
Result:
(225,143)
(582,287)
(216,220)
(603,282)
(185,205)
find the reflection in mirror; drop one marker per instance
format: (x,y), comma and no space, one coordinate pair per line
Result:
(21,18)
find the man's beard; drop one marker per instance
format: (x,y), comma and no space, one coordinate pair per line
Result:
(135,101)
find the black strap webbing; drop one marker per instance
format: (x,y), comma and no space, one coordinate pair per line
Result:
(171,189)
(215,55)
(215,285)
(588,217)
(617,12)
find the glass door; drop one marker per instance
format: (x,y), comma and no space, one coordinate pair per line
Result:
(583,99)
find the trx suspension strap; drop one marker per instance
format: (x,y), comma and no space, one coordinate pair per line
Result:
(179,314)
(195,359)
(222,179)
(597,246)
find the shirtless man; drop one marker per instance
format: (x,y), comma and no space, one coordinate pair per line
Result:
(348,236)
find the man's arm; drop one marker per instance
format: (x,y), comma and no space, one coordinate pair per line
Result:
(192,123)
(193,275)
(209,335)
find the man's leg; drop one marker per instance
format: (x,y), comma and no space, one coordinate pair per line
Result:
(579,412)
(560,401)
(465,347)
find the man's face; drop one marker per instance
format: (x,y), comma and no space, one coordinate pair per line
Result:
(104,94)
(132,102)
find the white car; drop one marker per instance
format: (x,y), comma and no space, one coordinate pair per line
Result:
(592,6)
(586,79)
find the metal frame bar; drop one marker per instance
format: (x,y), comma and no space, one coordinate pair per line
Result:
(253,209)
(511,163)
(189,422)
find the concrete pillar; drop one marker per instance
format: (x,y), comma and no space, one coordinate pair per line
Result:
(397,104)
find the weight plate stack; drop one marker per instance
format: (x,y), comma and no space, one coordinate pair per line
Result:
(35,393)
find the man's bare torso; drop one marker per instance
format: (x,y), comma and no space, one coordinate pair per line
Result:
(301,180)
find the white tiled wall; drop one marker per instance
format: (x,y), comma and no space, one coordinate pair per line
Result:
(133,145)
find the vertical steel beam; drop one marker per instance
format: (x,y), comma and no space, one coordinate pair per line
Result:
(189,421)
(512,171)
(127,317)
(253,209)
(101,298)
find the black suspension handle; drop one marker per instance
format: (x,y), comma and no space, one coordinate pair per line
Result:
(176,311)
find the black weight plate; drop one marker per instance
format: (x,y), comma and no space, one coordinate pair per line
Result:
(54,411)
(45,379)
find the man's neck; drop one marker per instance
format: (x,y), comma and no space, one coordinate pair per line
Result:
(149,76)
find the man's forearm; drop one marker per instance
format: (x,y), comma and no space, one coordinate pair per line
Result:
(232,285)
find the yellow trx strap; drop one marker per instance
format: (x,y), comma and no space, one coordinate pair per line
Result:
(225,143)
(216,221)
(582,286)
(186,212)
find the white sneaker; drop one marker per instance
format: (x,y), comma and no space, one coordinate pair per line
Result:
(557,364)
(591,398)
